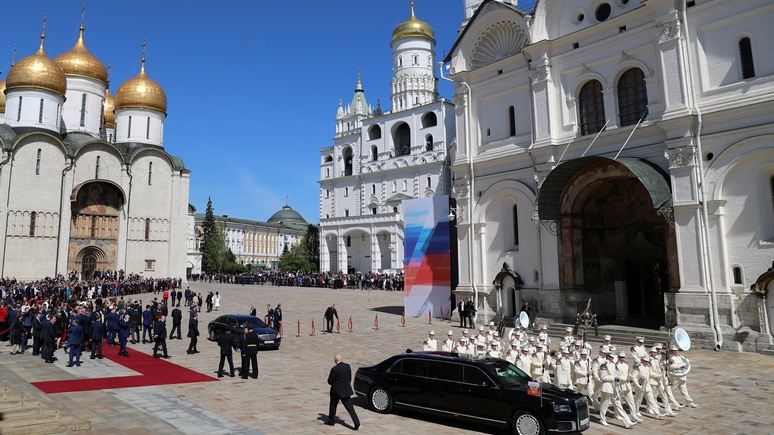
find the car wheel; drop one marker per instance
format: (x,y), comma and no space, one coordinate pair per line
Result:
(380,400)
(212,335)
(527,423)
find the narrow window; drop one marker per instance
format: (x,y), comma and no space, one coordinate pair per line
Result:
(511,121)
(429,142)
(110,138)
(737,274)
(18,111)
(373,189)
(349,241)
(394,186)
(96,168)
(405,185)
(346,191)
(83,110)
(147,129)
(37,164)
(327,193)
(147,229)
(101,114)
(327,173)
(40,112)
(429,182)
(33,222)
(632,97)
(129,130)
(346,212)
(150,172)
(746,58)
(374,153)
(395,209)
(373,210)
(516,225)
(591,107)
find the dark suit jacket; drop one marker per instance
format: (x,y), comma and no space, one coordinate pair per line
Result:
(251,343)
(75,335)
(160,330)
(193,328)
(97,330)
(226,343)
(340,379)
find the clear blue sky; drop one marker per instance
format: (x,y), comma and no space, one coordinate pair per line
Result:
(253,86)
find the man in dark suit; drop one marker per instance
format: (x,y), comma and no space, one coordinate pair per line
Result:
(250,353)
(160,336)
(330,312)
(340,379)
(49,335)
(97,335)
(193,334)
(74,342)
(177,317)
(226,343)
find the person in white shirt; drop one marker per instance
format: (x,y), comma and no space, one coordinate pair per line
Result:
(430,344)
(677,362)
(563,370)
(513,354)
(448,344)
(608,376)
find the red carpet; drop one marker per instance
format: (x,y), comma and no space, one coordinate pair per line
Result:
(153,371)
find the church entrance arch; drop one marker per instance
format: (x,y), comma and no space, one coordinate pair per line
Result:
(615,243)
(90,260)
(94,225)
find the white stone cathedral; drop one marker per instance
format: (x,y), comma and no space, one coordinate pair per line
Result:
(378,159)
(85,182)
(620,151)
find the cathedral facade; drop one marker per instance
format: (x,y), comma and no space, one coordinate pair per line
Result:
(618,151)
(380,158)
(85,182)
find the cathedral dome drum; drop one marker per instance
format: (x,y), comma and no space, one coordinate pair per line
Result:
(2,95)
(109,115)
(37,71)
(141,92)
(78,61)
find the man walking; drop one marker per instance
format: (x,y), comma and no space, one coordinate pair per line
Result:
(329,314)
(226,343)
(160,336)
(193,334)
(462,311)
(340,379)
(177,317)
(74,342)
(147,322)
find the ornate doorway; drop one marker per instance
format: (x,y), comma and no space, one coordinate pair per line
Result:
(94,227)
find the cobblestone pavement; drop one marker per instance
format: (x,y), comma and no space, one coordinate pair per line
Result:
(290,396)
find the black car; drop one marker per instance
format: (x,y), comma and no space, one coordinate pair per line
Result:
(487,390)
(269,338)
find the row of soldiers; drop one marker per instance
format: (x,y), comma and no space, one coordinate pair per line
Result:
(607,379)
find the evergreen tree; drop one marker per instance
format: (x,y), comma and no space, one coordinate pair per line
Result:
(312,243)
(213,245)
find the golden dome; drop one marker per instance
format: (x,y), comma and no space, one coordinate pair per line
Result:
(413,28)
(2,95)
(37,71)
(141,91)
(78,61)
(110,104)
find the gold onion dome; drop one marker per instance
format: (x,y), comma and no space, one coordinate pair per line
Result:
(413,28)
(2,95)
(110,105)
(141,91)
(78,61)
(37,71)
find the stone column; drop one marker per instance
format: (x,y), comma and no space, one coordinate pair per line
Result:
(621,301)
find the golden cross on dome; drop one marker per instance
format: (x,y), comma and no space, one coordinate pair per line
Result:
(43,35)
(144,44)
(13,59)
(108,70)
(83,13)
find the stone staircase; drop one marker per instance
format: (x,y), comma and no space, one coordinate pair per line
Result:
(22,413)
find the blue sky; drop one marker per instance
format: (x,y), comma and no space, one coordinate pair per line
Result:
(252,86)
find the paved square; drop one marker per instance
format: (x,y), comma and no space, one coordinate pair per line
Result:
(290,396)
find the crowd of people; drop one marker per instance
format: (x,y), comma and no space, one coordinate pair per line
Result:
(612,378)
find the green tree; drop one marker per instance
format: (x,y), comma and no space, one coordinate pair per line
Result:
(234,268)
(295,259)
(312,243)
(213,244)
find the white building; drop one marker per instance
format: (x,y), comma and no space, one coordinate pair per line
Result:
(622,151)
(83,186)
(379,159)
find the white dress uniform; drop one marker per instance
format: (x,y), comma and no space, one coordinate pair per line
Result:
(582,376)
(658,383)
(563,371)
(663,365)
(494,351)
(448,345)
(430,344)
(594,391)
(643,389)
(480,349)
(524,362)
(627,388)
(638,350)
(541,364)
(608,376)
(677,362)
(462,347)
(512,355)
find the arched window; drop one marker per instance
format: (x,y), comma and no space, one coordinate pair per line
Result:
(18,111)
(346,191)
(429,182)
(147,229)
(328,159)
(83,110)
(348,161)
(374,153)
(147,129)
(33,223)
(737,273)
(37,164)
(402,140)
(405,185)
(129,129)
(150,172)
(632,97)
(429,142)
(40,112)
(746,58)
(375,132)
(591,108)
(515,225)
(373,189)
(349,241)
(511,121)
(96,168)
(429,120)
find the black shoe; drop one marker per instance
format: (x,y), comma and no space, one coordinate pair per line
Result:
(49,361)
(157,356)
(92,357)
(68,365)
(357,426)
(78,364)
(100,357)
(243,377)
(195,351)
(232,375)
(35,354)
(167,356)
(329,423)
(220,376)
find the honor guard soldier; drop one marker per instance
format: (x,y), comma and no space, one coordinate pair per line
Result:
(638,350)
(641,378)
(513,354)
(430,344)
(595,363)
(448,344)
(496,339)
(481,336)
(663,365)
(625,382)
(582,373)
(541,363)
(613,351)
(677,365)
(543,335)
(465,334)
(658,382)
(563,371)
(524,361)
(576,350)
(610,392)
(531,345)
(490,332)
(462,346)
(480,349)
(606,342)
(494,351)
(568,340)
